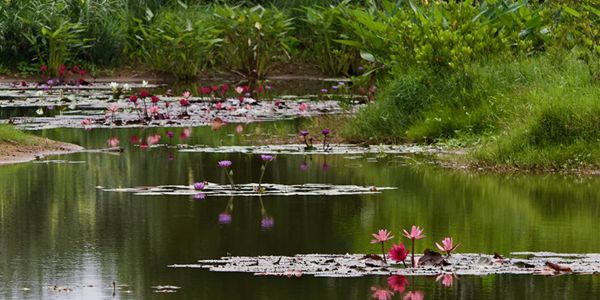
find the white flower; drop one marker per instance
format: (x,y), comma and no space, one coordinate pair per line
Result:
(126,87)
(144,83)
(39,93)
(40,111)
(114,86)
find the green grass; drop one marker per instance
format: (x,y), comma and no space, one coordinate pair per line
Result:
(541,112)
(9,133)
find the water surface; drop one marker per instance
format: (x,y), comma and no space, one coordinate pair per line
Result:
(56,228)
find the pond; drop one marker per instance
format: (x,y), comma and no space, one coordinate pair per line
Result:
(57,228)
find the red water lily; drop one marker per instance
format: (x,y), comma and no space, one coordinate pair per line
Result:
(398,253)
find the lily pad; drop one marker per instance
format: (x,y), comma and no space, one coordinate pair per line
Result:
(251,189)
(357,265)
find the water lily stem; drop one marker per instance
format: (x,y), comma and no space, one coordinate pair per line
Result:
(412,257)
(262,174)
(383,253)
(230,179)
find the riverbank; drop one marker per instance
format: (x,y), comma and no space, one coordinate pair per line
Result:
(539,113)
(17,146)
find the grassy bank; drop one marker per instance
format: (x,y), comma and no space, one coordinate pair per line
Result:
(9,134)
(17,146)
(538,112)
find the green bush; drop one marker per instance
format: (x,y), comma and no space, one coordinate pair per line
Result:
(253,38)
(323,27)
(177,41)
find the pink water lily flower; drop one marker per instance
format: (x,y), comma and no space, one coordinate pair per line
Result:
(239,89)
(447,245)
(153,110)
(113,142)
(303,107)
(239,129)
(416,233)
(114,107)
(382,236)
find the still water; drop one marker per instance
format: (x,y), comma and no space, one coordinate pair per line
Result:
(56,228)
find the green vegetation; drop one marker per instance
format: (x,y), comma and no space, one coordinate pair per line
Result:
(8,133)
(517,80)
(518,83)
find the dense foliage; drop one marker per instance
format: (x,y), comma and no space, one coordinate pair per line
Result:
(447,68)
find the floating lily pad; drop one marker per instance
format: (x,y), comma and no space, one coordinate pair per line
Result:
(201,112)
(317,149)
(357,265)
(251,189)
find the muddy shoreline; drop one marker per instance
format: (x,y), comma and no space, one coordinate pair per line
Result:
(37,149)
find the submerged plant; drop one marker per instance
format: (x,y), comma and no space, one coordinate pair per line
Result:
(416,233)
(382,236)
(447,246)
(266,160)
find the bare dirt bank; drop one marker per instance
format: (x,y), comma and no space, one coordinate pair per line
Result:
(37,148)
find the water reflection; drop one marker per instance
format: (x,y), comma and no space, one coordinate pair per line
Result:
(446,279)
(225,217)
(57,229)
(396,285)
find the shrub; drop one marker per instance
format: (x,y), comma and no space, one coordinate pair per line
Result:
(177,41)
(324,27)
(253,38)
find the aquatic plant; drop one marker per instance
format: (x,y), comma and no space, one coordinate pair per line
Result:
(382,236)
(266,160)
(185,102)
(252,38)
(225,165)
(307,142)
(325,133)
(113,108)
(198,186)
(398,253)
(176,40)
(153,111)
(416,233)
(447,246)
(113,142)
